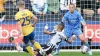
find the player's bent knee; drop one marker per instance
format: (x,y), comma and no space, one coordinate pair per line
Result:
(82,38)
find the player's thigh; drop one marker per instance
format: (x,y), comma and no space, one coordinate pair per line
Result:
(31,38)
(26,39)
(79,33)
(68,33)
(82,37)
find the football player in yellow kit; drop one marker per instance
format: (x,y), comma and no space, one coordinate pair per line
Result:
(25,27)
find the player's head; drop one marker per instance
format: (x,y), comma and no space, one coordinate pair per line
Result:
(60,27)
(72,7)
(21,4)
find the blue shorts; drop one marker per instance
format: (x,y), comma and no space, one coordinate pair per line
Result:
(70,32)
(29,37)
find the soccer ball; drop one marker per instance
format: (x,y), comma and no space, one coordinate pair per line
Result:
(84,49)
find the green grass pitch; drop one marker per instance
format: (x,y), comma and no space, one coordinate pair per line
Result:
(61,54)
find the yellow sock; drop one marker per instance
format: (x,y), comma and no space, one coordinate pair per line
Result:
(37,45)
(29,49)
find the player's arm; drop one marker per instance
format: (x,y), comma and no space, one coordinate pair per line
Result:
(19,25)
(20,28)
(82,21)
(84,25)
(46,31)
(35,20)
(64,19)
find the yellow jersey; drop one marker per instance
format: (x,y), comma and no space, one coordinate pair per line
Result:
(24,17)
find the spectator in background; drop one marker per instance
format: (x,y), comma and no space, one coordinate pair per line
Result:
(2,10)
(98,6)
(27,4)
(53,6)
(97,10)
(64,5)
(87,8)
(40,7)
(10,7)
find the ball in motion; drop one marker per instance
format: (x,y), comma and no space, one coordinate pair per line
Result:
(84,49)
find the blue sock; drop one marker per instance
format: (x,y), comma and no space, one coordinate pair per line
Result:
(57,51)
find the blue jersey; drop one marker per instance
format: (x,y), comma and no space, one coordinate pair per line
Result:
(73,20)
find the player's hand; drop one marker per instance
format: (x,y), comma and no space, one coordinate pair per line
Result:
(46,26)
(55,27)
(21,35)
(33,25)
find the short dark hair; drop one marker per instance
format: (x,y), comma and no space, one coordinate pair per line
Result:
(72,4)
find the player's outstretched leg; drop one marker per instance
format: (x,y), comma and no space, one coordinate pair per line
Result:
(81,36)
(57,50)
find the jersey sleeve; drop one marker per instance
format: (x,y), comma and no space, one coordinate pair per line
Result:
(17,18)
(30,13)
(64,18)
(80,18)
(53,32)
